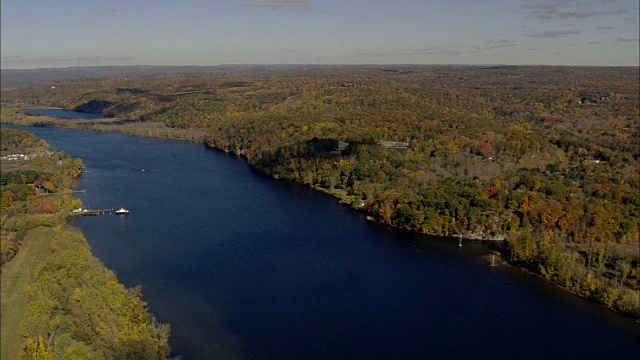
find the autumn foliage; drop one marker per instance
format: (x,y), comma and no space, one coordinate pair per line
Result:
(545,158)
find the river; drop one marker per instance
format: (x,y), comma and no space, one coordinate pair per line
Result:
(243,266)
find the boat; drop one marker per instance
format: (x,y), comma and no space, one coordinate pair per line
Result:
(122,211)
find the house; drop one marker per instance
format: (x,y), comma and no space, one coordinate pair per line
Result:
(394,144)
(16,157)
(342,146)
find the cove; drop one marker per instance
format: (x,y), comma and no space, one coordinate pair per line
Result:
(61,113)
(243,266)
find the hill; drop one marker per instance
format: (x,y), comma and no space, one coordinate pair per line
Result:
(544,158)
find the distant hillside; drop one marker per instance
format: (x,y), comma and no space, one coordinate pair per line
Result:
(543,157)
(15,78)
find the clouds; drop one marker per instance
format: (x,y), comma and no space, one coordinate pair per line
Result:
(568,9)
(585,14)
(552,33)
(445,50)
(543,19)
(281,4)
(452,50)
(500,46)
(437,51)
(496,44)
(500,41)
(197,32)
(539,10)
(587,43)
(19,61)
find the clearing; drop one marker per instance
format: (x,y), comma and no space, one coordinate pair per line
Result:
(16,275)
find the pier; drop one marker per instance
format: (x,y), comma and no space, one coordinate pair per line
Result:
(61,193)
(95,212)
(91,212)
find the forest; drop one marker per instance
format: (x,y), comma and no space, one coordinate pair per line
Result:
(542,158)
(58,300)
(28,188)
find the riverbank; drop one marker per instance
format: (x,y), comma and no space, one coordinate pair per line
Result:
(127,127)
(48,268)
(257,257)
(158,130)
(589,278)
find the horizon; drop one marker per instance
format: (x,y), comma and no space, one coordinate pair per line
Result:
(316,32)
(320,65)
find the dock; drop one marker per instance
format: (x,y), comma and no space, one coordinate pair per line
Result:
(91,212)
(95,212)
(61,193)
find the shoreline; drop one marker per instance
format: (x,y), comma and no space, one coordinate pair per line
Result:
(137,131)
(50,247)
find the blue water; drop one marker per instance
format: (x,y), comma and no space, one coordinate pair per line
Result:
(243,266)
(62,113)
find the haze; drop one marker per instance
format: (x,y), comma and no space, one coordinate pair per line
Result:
(64,33)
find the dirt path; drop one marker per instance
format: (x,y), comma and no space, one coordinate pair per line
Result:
(16,275)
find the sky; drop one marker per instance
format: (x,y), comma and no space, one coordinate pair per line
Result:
(64,33)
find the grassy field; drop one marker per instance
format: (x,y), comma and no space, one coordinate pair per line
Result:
(16,275)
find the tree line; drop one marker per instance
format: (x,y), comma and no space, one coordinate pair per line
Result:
(74,307)
(509,153)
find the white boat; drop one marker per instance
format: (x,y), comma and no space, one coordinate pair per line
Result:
(122,211)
